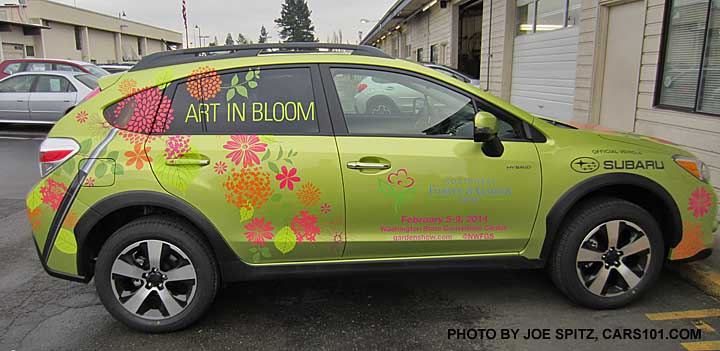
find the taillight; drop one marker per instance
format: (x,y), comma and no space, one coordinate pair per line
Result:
(91,94)
(54,152)
(361,87)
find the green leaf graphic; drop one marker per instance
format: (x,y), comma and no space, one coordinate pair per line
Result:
(65,242)
(266,156)
(178,177)
(235,80)
(119,170)
(100,170)
(230,94)
(85,146)
(288,161)
(273,167)
(252,85)
(246,214)
(276,197)
(265,252)
(280,155)
(113,155)
(34,199)
(69,167)
(242,91)
(250,75)
(285,240)
(256,257)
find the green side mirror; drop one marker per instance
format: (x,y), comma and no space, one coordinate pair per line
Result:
(486,132)
(485,127)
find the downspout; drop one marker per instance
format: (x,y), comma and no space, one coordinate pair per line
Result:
(487,84)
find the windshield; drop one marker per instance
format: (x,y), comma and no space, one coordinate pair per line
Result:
(96,71)
(88,80)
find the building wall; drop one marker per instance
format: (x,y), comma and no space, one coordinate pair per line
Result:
(102,45)
(60,42)
(155,46)
(498,34)
(130,48)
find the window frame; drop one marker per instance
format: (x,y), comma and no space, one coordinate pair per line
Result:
(321,106)
(338,116)
(39,76)
(533,18)
(661,64)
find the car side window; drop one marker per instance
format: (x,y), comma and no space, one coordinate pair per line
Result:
(19,84)
(247,101)
(38,67)
(12,68)
(381,102)
(53,84)
(67,68)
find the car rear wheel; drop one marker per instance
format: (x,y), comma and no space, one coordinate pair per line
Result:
(381,106)
(608,253)
(155,274)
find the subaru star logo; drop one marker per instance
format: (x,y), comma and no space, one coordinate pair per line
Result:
(585,165)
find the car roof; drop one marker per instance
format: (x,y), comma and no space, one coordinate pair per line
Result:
(50,73)
(52,60)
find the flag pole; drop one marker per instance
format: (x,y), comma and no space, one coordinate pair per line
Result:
(184,13)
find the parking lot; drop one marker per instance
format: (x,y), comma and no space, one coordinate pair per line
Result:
(369,312)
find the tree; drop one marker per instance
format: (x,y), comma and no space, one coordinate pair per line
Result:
(294,22)
(229,40)
(263,35)
(241,39)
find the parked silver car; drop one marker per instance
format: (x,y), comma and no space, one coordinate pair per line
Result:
(42,97)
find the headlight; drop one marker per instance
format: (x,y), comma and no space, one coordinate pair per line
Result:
(694,166)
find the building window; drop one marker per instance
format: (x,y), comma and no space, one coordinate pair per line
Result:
(30,51)
(419,55)
(545,15)
(78,38)
(140,47)
(689,74)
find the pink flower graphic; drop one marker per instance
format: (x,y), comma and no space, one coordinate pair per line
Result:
(258,231)
(177,146)
(699,202)
(325,208)
(247,147)
(287,178)
(305,227)
(401,178)
(147,106)
(53,193)
(220,167)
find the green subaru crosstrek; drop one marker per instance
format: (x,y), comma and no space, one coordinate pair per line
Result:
(205,166)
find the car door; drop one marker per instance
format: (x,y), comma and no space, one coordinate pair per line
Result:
(417,185)
(253,150)
(51,97)
(14,98)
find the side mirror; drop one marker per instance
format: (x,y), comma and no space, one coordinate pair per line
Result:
(486,131)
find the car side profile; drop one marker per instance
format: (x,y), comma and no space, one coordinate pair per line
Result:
(42,97)
(205,166)
(12,66)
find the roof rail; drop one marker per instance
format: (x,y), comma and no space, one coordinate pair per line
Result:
(174,57)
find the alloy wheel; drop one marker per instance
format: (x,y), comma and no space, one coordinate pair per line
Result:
(613,258)
(153,279)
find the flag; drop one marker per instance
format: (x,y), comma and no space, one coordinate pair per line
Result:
(184,13)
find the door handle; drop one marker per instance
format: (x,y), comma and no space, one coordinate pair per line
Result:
(66,100)
(367,165)
(20,100)
(187,162)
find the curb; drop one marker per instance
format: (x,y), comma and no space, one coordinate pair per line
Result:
(700,275)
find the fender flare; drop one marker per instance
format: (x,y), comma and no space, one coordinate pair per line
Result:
(222,250)
(571,197)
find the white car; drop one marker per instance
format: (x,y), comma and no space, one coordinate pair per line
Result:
(42,97)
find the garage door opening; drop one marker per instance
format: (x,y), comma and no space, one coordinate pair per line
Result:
(469,38)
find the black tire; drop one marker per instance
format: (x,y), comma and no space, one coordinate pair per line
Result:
(564,267)
(177,232)
(375,104)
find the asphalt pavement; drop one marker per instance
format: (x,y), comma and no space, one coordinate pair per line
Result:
(415,311)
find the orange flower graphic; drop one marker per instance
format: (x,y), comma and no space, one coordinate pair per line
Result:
(127,87)
(138,156)
(204,83)
(309,194)
(248,187)
(81,117)
(691,242)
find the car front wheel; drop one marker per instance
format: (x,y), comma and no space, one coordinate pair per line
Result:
(608,253)
(155,274)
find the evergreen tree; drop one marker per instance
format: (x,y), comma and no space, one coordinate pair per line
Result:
(241,40)
(294,22)
(263,35)
(229,40)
